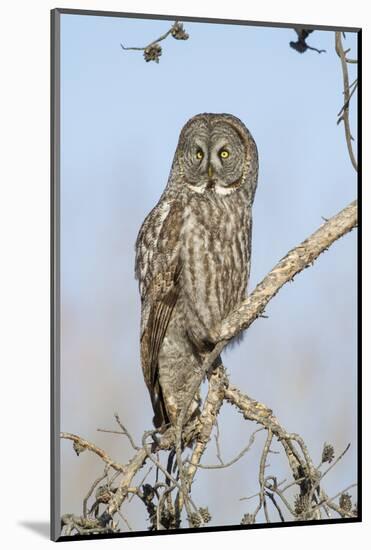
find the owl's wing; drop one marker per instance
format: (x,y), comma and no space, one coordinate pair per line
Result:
(158,269)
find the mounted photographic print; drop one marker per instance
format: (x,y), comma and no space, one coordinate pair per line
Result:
(205,176)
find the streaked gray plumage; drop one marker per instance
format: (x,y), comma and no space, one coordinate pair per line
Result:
(193,255)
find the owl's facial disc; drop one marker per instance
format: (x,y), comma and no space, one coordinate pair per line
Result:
(214,159)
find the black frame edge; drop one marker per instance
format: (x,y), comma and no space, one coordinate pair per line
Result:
(216,529)
(359,274)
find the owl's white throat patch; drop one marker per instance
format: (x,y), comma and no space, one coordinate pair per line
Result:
(215,188)
(220,190)
(199,189)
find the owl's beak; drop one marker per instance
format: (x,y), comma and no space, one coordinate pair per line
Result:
(211,182)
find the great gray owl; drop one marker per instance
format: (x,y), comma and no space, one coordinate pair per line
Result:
(193,255)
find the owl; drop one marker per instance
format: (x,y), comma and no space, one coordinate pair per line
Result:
(193,256)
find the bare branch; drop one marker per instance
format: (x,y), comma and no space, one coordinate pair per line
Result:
(263,460)
(141,482)
(329,500)
(160,505)
(302,469)
(125,520)
(346,104)
(90,492)
(129,472)
(339,510)
(285,501)
(271,496)
(153,50)
(84,526)
(322,475)
(234,460)
(156,41)
(208,417)
(296,260)
(337,460)
(125,432)
(345,110)
(84,444)
(217,443)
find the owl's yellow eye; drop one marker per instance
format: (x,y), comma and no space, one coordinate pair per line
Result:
(199,154)
(224,154)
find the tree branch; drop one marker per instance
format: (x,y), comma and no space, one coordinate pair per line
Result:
(260,413)
(294,262)
(214,400)
(83,444)
(153,50)
(345,110)
(207,421)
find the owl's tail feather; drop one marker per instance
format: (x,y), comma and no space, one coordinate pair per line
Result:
(160,417)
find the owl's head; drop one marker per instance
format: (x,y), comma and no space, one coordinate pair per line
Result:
(217,154)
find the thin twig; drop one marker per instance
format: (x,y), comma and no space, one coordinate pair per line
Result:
(267,487)
(125,520)
(154,460)
(165,493)
(336,461)
(187,498)
(322,475)
(262,467)
(94,449)
(125,432)
(271,496)
(346,104)
(345,116)
(340,511)
(106,431)
(295,482)
(285,501)
(90,492)
(234,460)
(312,472)
(329,500)
(159,39)
(141,482)
(217,444)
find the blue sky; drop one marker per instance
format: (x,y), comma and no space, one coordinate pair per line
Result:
(120,122)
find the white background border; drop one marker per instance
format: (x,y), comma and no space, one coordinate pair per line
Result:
(24,254)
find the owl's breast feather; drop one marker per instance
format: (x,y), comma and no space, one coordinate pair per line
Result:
(214,257)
